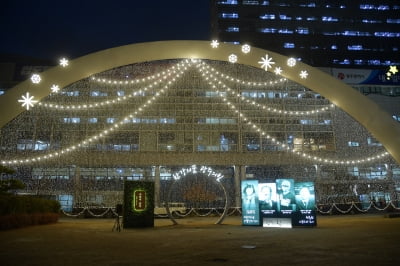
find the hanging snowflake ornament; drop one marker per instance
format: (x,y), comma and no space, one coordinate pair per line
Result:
(246,48)
(233,58)
(35,78)
(63,62)
(55,88)
(266,62)
(393,70)
(214,44)
(291,62)
(27,101)
(303,74)
(278,70)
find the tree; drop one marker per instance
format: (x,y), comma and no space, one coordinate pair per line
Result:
(9,184)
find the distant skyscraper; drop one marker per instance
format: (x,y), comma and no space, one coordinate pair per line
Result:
(328,33)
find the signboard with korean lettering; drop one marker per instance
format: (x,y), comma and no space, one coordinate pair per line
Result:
(250,204)
(138,204)
(305,214)
(285,203)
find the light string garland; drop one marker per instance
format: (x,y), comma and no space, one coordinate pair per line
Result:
(182,68)
(117,100)
(204,212)
(284,146)
(204,70)
(133,81)
(266,63)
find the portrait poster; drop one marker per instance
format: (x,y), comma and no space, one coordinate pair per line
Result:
(250,204)
(305,214)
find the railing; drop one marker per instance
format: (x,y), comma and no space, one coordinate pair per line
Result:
(332,208)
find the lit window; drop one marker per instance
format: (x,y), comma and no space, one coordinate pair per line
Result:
(371,21)
(284,17)
(268,16)
(268,30)
(355,47)
(373,142)
(311,18)
(98,93)
(111,120)
(2,92)
(387,34)
(232,29)
(367,7)
(71,120)
(288,45)
(230,15)
(301,30)
(329,19)
(353,144)
(250,3)
(285,31)
(120,93)
(374,62)
(228,2)
(92,120)
(393,20)
(334,47)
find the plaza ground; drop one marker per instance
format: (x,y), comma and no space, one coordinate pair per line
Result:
(337,240)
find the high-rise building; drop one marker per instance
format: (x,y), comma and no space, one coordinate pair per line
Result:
(352,34)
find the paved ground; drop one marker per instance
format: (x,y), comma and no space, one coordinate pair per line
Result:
(337,240)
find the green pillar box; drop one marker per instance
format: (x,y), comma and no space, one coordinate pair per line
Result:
(138,204)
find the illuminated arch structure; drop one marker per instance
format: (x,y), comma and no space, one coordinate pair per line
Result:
(34,140)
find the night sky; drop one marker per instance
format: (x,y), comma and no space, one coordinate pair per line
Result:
(53,29)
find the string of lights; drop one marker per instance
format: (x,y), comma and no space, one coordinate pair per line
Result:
(181,69)
(284,146)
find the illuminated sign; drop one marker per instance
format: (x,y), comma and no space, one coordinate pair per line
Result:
(139,200)
(250,203)
(194,169)
(284,203)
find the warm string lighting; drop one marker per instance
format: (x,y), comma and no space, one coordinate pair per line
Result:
(207,67)
(133,81)
(207,75)
(120,99)
(284,146)
(105,132)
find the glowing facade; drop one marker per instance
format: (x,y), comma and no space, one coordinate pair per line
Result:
(154,115)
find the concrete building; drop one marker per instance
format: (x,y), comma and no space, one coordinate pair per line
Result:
(151,111)
(344,34)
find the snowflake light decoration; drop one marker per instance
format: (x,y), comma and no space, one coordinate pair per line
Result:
(36,78)
(64,62)
(27,101)
(266,62)
(55,88)
(393,69)
(291,62)
(233,58)
(214,44)
(246,48)
(278,70)
(303,74)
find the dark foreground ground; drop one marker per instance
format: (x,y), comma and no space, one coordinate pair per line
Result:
(337,240)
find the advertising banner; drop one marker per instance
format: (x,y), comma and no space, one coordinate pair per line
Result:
(138,208)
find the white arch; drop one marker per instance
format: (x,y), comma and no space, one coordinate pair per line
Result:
(366,112)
